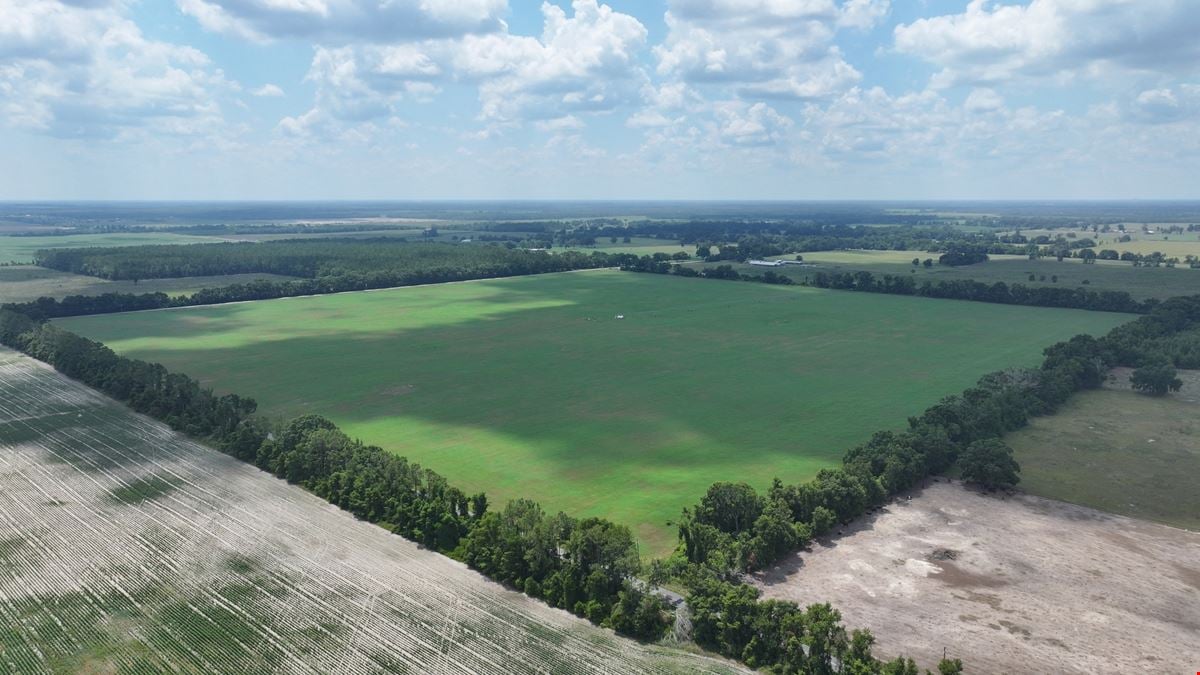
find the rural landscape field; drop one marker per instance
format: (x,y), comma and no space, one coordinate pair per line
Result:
(794,337)
(128,548)
(601,392)
(619,434)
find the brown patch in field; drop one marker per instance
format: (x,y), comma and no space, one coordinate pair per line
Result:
(1189,575)
(954,576)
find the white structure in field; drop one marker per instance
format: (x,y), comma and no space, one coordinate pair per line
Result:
(767,263)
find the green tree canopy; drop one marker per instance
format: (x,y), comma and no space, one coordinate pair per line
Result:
(990,463)
(1156,379)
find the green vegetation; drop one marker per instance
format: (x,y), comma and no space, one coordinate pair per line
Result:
(22,283)
(990,464)
(530,387)
(1156,379)
(1119,451)
(637,246)
(22,249)
(234,572)
(143,489)
(1140,282)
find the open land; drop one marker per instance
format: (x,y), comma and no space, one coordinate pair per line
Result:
(1010,585)
(128,548)
(1120,451)
(21,249)
(22,283)
(531,387)
(1140,282)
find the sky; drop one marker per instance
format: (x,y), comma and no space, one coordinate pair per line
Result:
(583,99)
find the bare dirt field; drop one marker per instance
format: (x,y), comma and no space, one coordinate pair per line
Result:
(1010,585)
(125,547)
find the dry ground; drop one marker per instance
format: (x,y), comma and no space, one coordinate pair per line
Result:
(125,547)
(1011,585)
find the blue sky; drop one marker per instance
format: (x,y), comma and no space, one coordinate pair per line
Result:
(629,99)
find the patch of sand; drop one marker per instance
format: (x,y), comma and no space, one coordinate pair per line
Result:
(1009,584)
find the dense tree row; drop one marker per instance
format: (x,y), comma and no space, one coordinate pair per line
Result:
(586,566)
(589,566)
(382,264)
(969,289)
(957,289)
(343,263)
(733,529)
(148,388)
(781,637)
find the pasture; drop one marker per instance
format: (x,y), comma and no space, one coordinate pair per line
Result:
(21,249)
(22,283)
(1120,451)
(531,387)
(128,548)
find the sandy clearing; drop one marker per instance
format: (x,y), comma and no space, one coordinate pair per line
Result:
(1010,585)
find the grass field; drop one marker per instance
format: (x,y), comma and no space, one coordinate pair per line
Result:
(22,283)
(1140,282)
(530,387)
(1119,451)
(21,249)
(126,548)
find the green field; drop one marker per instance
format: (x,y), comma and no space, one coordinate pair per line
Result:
(21,249)
(1140,282)
(531,387)
(1119,451)
(22,283)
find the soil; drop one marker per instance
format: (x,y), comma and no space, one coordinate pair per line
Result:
(1009,584)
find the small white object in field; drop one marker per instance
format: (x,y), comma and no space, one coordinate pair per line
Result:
(620,316)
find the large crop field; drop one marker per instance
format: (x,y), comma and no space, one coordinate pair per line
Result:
(533,387)
(126,548)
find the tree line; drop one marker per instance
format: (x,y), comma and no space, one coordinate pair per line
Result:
(589,566)
(357,261)
(733,529)
(954,289)
(329,267)
(586,566)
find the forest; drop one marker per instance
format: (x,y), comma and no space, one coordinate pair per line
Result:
(353,262)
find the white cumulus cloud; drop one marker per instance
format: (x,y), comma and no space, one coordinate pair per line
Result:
(348,21)
(85,70)
(995,43)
